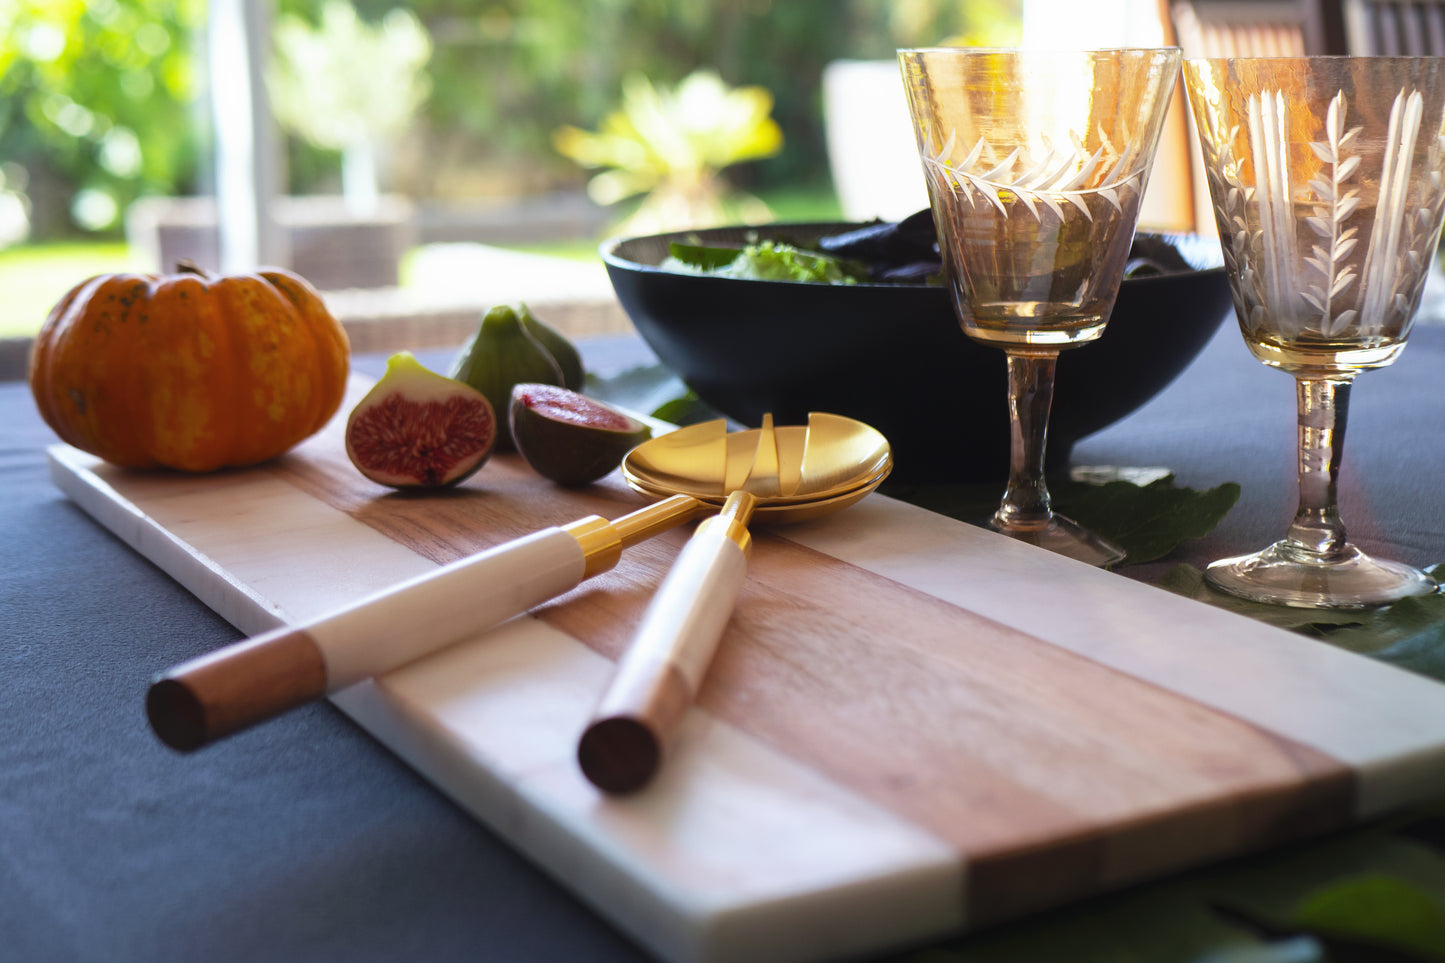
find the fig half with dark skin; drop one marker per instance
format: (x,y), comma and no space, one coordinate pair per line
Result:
(418,429)
(568,437)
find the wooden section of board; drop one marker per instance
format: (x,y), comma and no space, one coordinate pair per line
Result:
(912,726)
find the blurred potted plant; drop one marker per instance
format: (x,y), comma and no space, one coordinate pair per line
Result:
(348,86)
(671,145)
(342,85)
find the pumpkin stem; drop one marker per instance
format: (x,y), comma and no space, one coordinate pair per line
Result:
(186,266)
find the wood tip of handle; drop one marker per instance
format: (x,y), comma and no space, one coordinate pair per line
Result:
(619,754)
(235,687)
(176,715)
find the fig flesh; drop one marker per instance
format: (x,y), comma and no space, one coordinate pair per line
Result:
(568,437)
(418,429)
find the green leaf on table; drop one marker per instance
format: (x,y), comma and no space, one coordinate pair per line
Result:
(1409,633)
(653,390)
(1288,941)
(1376,909)
(1189,581)
(1235,911)
(686,409)
(639,388)
(1147,521)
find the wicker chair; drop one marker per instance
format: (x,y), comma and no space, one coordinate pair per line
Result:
(1411,28)
(1259,28)
(1249,28)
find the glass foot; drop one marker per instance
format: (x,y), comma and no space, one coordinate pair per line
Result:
(1063,536)
(1284,575)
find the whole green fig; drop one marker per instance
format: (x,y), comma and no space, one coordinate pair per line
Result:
(503,354)
(563,351)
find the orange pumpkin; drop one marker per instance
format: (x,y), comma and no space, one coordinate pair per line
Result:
(190,371)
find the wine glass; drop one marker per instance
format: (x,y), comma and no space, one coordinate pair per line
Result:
(1327,176)
(1035,163)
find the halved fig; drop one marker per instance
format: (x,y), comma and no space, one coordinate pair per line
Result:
(418,429)
(568,437)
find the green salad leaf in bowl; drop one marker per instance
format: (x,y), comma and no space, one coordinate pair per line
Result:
(763,261)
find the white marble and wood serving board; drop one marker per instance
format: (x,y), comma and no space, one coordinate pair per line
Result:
(913,726)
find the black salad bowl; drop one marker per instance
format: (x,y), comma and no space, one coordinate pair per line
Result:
(894,355)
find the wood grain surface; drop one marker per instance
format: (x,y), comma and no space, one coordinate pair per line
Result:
(911,725)
(1055,776)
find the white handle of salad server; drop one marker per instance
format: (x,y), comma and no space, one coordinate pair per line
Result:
(259,678)
(664,667)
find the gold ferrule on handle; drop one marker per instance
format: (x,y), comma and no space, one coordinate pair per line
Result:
(600,543)
(732,521)
(647,521)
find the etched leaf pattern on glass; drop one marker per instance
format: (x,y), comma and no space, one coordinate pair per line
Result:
(1047,182)
(1336,203)
(1336,284)
(1232,196)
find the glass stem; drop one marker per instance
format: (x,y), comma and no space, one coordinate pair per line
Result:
(1030,395)
(1323,405)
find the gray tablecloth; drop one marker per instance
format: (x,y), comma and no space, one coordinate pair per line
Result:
(306,840)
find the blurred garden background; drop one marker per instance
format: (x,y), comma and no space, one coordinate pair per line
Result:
(540,125)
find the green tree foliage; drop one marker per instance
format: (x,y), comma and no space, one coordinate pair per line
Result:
(672,145)
(107,99)
(506,73)
(349,86)
(98,104)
